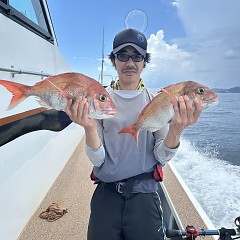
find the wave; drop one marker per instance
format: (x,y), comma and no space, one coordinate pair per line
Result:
(213,182)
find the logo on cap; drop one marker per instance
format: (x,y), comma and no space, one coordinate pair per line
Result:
(140,38)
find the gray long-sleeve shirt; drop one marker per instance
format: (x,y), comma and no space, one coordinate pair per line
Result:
(120,157)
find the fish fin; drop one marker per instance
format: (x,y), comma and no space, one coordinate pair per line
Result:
(172,97)
(42,103)
(130,130)
(18,91)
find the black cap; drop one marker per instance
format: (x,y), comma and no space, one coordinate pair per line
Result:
(130,37)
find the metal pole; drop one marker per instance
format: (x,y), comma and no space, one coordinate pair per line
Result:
(102,57)
(20,71)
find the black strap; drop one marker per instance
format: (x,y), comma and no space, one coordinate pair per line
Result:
(51,119)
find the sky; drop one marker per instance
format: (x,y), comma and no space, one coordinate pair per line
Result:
(195,40)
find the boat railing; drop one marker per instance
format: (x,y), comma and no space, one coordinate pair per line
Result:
(21,71)
(105,75)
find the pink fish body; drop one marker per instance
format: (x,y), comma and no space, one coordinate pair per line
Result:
(55,91)
(159,111)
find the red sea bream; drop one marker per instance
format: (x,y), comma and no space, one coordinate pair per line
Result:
(159,111)
(55,91)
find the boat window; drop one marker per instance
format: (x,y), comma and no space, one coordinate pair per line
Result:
(30,9)
(29,13)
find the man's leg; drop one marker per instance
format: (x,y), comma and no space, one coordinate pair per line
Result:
(143,218)
(106,213)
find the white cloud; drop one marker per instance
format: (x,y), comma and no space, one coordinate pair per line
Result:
(213,33)
(168,64)
(209,54)
(231,54)
(202,16)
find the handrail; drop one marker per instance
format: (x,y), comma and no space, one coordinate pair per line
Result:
(106,75)
(20,71)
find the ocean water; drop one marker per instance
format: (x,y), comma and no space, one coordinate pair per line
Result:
(209,160)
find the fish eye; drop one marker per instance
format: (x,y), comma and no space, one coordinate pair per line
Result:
(200,90)
(102,97)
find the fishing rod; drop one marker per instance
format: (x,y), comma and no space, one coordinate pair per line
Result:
(191,232)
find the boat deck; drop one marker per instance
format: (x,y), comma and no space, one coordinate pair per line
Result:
(73,190)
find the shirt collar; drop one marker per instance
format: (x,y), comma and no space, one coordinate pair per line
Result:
(141,85)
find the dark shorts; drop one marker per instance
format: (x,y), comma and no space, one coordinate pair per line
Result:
(115,218)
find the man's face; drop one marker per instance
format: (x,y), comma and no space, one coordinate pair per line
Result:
(129,72)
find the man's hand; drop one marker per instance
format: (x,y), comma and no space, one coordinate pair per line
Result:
(78,113)
(185,114)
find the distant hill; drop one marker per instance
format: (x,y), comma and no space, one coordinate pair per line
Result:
(229,90)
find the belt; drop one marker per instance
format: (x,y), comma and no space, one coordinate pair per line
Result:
(125,186)
(118,186)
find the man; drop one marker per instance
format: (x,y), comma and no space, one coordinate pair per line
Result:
(125,204)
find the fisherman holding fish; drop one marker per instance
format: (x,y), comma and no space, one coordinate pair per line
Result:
(125,204)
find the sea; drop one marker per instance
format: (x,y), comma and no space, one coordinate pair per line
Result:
(208,160)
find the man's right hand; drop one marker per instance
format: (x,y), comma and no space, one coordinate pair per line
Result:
(78,113)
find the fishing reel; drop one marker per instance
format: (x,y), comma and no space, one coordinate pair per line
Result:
(237,223)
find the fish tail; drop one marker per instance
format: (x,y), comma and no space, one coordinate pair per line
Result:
(131,130)
(18,91)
